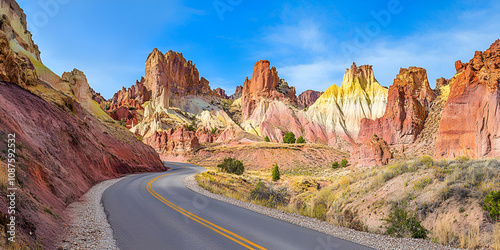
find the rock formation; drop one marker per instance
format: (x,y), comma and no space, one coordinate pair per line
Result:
(341,109)
(220,92)
(409,98)
(237,93)
(171,74)
(308,98)
(264,87)
(374,151)
(470,123)
(177,142)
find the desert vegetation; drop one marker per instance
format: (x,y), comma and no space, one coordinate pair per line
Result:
(451,202)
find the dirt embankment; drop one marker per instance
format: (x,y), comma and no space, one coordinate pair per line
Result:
(265,155)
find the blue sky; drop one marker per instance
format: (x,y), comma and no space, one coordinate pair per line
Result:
(310,42)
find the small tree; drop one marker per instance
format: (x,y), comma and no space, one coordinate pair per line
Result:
(343,163)
(289,138)
(232,166)
(214,131)
(335,165)
(492,205)
(266,139)
(401,224)
(301,140)
(276,172)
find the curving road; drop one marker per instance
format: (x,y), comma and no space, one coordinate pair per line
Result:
(156,211)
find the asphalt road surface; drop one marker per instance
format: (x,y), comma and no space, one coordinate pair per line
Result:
(156,211)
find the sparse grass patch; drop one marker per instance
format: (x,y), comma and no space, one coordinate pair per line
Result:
(422,183)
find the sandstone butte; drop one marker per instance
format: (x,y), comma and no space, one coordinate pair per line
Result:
(409,98)
(341,109)
(308,98)
(470,123)
(66,148)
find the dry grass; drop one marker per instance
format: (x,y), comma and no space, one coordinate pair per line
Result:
(495,244)
(3,176)
(444,234)
(361,198)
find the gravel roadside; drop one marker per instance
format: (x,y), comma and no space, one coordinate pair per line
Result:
(367,239)
(88,227)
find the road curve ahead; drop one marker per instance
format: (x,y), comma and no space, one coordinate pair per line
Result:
(156,211)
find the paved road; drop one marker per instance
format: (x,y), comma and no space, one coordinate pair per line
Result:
(156,211)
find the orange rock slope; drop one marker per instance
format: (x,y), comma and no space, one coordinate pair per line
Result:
(470,122)
(308,97)
(374,151)
(409,98)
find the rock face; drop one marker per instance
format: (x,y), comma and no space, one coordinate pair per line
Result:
(341,109)
(409,98)
(220,92)
(134,96)
(374,151)
(79,87)
(264,87)
(171,74)
(308,98)
(470,123)
(238,93)
(177,142)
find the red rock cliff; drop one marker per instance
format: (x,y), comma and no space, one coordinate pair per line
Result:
(470,123)
(265,84)
(409,98)
(308,97)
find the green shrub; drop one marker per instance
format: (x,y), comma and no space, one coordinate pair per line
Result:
(276,173)
(343,163)
(335,165)
(191,128)
(214,131)
(269,196)
(301,140)
(289,138)
(131,108)
(232,166)
(492,204)
(139,138)
(402,224)
(266,139)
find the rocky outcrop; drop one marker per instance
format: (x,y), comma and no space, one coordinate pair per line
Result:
(15,67)
(174,142)
(134,96)
(470,123)
(171,74)
(409,99)
(374,151)
(80,88)
(341,109)
(258,92)
(220,92)
(237,93)
(308,98)
(265,85)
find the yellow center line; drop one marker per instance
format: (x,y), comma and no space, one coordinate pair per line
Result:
(230,235)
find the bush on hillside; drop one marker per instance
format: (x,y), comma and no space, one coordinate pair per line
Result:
(343,163)
(232,166)
(492,205)
(289,138)
(276,173)
(301,140)
(403,224)
(266,139)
